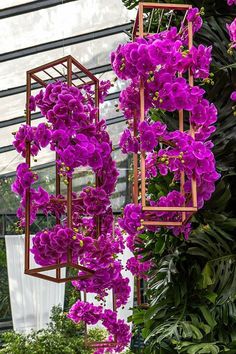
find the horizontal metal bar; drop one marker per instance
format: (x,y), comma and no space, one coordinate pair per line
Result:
(42,276)
(46,268)
(162,223)
(171,209)
(30,7)
(104,344)
(40,48)
(34,116)
(180,7)
(57,266)
(115,212)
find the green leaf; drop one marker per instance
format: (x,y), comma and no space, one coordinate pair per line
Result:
(207,276)
(160,245)
(230,66)
(208,316)
(211,296)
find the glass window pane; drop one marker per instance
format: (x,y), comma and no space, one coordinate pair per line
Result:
(109,109)
(62,21)
(9,3)
(91,54)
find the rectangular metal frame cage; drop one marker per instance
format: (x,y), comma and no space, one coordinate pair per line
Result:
(139,160)
(105,343)
(70,71)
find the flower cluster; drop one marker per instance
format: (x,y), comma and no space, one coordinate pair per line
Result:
(138,267)
(73,131)
(25,135)
(141,59)
(25,178)
(233,96)
(86,312)
(193,16)
(78,139)
(186,154)
(52,246)
(107,269)
(231,2)
(231,28)
(159,64)
(95,200)
(132,218)
(91,314)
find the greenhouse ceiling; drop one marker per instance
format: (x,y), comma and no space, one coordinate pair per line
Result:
(43,30)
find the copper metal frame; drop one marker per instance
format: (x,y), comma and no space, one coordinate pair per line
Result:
(138,30)
(69,69)
(102,344)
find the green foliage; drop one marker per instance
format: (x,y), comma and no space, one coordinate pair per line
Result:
(60,336)
(191,291)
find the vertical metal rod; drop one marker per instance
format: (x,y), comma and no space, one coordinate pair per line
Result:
(140,19)
(114,308)
(97,100)
(97,179)
(28,160)
(69,179)
(58,221)
(135,195)
(85,324)
(135,163)
(181,120)
(58,191)
(182,174)
(142,115)
(142,157)
(143,179)
(113,301)
(192,132)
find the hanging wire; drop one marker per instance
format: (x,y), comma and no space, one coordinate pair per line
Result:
(150,21)
(185,15)
(160,19)
(182,23)
(171,15)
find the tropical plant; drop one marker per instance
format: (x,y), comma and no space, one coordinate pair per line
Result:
(192,286)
